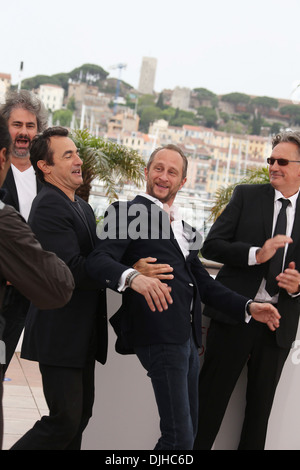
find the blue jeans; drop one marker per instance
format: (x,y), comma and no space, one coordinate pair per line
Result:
(174,371)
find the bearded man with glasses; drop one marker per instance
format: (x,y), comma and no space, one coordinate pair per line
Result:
(262,262)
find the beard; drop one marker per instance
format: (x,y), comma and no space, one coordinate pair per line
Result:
(22,152)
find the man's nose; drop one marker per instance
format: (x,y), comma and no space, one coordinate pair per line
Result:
(164,175)
(275,165)
(23,130)
(79,161)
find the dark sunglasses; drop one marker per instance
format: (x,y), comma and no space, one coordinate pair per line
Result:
(281,161)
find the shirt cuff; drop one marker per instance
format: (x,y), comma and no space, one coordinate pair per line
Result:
(252,255)
(247,316)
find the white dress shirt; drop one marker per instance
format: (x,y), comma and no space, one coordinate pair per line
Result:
(177,227)
(262,295)
(26,189)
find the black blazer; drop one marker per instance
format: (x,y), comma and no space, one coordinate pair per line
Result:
(247,221)
(64,336)
(119,249)
(11,194)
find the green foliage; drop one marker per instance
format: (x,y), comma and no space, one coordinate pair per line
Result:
(293,111)
(148,115)
(112,163)
(256,124)
(208,115)
(265,102)
(62,117)
(223,194)
(236,98)
(179,117)
(86,73)
(204,94)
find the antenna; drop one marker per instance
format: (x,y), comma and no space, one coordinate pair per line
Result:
(120,67)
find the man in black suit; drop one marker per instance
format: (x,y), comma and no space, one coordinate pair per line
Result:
(25,116)
(165,338)
(243,239)
(64,341)
(41,276)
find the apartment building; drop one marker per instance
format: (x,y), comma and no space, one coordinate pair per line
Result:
(52,96)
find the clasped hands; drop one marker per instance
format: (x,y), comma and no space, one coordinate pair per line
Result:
(289,279)
(157,293)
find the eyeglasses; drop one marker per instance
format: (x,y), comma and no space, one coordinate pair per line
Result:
(281,161)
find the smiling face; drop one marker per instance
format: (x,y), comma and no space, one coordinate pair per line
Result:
(22,126)
(65,172)
(164,177)
(285,179)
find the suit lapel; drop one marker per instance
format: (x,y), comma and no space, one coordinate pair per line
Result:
(162,218)
(10,184)
(295,234)
(268,210)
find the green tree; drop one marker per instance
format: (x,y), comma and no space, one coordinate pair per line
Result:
(236,98)
(71,104)
(223,194)
(112,163)
(181,117)
(208,115)
(148,115)
(293,111)
(160,101)
(62,117)
(256,124)
(265,102)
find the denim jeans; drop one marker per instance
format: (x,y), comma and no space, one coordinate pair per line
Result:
(174,371)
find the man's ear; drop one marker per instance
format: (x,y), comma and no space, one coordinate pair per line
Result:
(182,183)
(42,165)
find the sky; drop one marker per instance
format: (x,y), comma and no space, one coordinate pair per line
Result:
(225,46)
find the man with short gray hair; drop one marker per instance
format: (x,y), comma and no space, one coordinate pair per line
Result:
(245,240)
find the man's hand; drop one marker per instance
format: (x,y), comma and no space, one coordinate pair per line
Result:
(155,292)
(265,313)
(146,267)
(270,247)
(289,279)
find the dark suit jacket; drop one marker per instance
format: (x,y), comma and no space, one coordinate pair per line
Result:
(11,195)
(63,337)
(247,221)
(119,248)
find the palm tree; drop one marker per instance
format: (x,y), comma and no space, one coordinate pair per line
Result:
(112,163)
(223,194)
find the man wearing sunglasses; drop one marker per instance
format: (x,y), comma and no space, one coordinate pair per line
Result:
(245,240)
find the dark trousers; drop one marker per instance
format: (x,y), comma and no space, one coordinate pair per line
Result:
(174,372)
(14,312)
(69,394)
(229,348)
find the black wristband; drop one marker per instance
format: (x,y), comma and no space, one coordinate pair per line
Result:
(248,306)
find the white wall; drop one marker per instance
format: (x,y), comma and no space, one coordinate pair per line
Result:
(125,415)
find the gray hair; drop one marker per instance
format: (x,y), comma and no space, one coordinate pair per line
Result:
(287,136)
(26,100)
